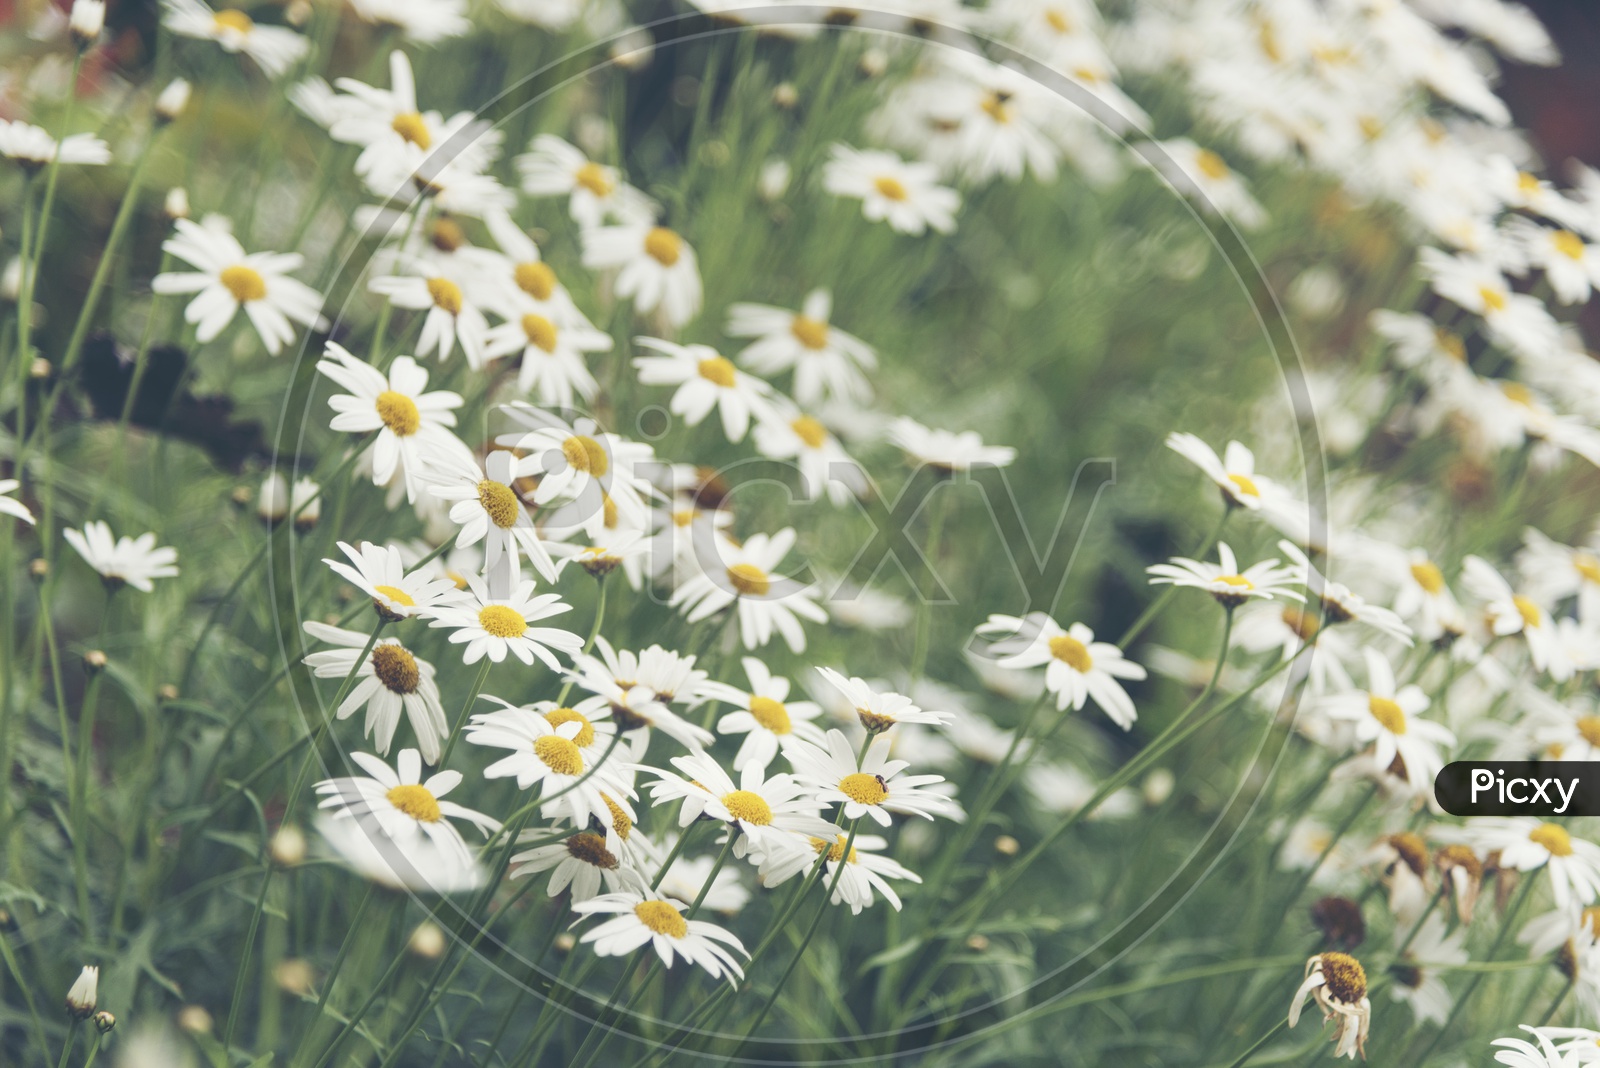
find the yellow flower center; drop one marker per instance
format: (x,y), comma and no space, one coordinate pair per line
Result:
(663,246)
(540,332)
(998,107)
(1587,566)
(747,806)
(1568,244)
(749,580)
(536,279)
(1388,713)
(396,668)
(1245,485)
(890,187)
(591,849)
(1305,624)
(1589,727)
(236,21)
(1451,345)
(592,176)
(683,517)
(415,801)
(1344,978)
(608,511)
(447,235)
(1493,299)
(411,128)
(718,370)
(620,821)
(1057,20)
(245,283)
(770,714)
(585,736)
(1554,838)
(500,502)
(811,333)
(810,431)
(1530,613)
(662,918)
(1211,165)
(835,850)
(1517,393)
(398,412)
(1428,576)
(586,454)
(502,621)
(1527,183)
(1072,652)
(863,788)
(1235,580)
(446,294)
(397,595)
(558,754)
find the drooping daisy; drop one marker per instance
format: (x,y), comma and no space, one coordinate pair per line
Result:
(10,505)
(551,167)
(906,195)
(875,788)
(866,870)
(488,509)
(392,682)
(125,560)
(1231,587)
(826,361)
(1338,984)
(227,279)
(1389,717)
(494,626)
(549,756)
(1234,471)
(1526,844)
(625,550)
(402,805)
(640,920)
(765,716)
(379,571)
(580,862)
(705,380)
(878,710)
(946,451)
(765,812)
(411,424)
(1076,666)
(744,576)
(453,316)
(655,266)
(274,48)
(32,147)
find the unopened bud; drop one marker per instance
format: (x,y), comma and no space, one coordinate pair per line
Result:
(565,941)
(786,95)
(84,993)
(167,692)
(194,1019)
(295,976)
(87,20)
(874,61)
(39,567)
(977,943)
(1007,846)
(288,846)
(39,369)
(305,503)
(170,104)
(95,660)
(104,1022)
(177,203)
(427,941)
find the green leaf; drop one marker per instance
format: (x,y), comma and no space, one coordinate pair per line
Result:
(890,955)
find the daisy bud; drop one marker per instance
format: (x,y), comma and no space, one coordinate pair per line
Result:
(194,1019)
(240,496)
(84,993)
(1158,787)
(565,941)
(272,503)
(1340,921)
(305,503)
(634,50)
(774,179)
(1007,846)
(167,692)
(11,281)
(177,203)
(39,369)
(87,20)
(447,235)
(786,95)
(874,61)
(94,661)
(427,941)
(298,13)
(295,976)
(288,846)
(977,943)
(39,567)
(104,1022)
(171,104)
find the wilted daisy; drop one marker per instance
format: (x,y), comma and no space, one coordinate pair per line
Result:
(595,192)
(879,710)
(549,755)
(1389,717)
(412,425)
(744,576)
(391,682)
(826,361)
(1526,844)
(1076,667)
(866,869)
(379,571)
(764,715)
(494,626)
(274,48)
(946,451)
(580,862)
(453,314)
(765,812)
(705,380)
(1225,581)
(875,788)
(655,266)
(134,561)
(1338,984)
(32,147)
(10,505)
(227,279)
(488,509)
(906,195)
(640,920)
(402,805)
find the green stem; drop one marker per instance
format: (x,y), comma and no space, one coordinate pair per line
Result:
(466,708)
(1255,1046)
(66,1047)
(1155,607)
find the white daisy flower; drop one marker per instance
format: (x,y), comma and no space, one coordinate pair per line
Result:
(866,870)
(875,788)
(33,147)
(880,710)
(743,576)
(1518,320)
(592,475)
(424,21)
(412,425)
(1416,980)
(947,451)
(84,993)
(549,756)
(1202,175)
(1553,572)
(494,626)
(906,195)
(1338,984)
(10,505)
(415,863)
(228,279)
(627,683)
(274,48)
(553,168)
(1076,666)
(1225,581)
(402,805)
(134,561)
(625,550)
(554,358)
(379,571)
(640,920)
(656,268)
(452,316)
(1510,612)
(826,361)
(489,510)
(391,682)
(686,876)
(1517,1053)
(705,380)
(1389,717)
(580,862)
(1340,604)
(765,715)
(783,432)
(1526,844)
(765,812)
(1570,264)
(1234,471)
